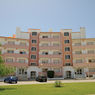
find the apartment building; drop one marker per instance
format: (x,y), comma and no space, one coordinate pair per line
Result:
(34,53)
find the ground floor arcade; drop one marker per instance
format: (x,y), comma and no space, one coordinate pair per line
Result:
(66,72)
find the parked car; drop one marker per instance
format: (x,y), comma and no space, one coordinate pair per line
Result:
(11,79)
(41,79)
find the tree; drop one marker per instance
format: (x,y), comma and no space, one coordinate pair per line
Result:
(5,70)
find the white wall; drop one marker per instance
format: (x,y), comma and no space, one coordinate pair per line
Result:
(21,35)
(33,68)
(79,35)
(68,68)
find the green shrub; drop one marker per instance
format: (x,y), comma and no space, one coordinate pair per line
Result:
(50,74)
(58,83)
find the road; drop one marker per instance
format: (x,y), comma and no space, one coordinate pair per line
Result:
(34,82)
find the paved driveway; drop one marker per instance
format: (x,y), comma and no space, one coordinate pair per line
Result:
(34,82)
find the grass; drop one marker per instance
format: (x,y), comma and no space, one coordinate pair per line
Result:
(49,89)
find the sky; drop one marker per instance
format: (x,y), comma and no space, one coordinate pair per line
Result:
(46,14)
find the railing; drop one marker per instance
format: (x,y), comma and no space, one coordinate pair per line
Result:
(15,46)
(16,64)
(16,55)
(50,47)
(50,65)
(87,65)
(49,39)
(53,36)
(43,45)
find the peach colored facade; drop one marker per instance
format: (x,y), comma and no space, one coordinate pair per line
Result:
(34,53)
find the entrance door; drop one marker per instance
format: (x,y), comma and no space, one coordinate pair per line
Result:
(68,74)
(33,74)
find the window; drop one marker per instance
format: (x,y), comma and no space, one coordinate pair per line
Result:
(57,53)
(33,49)
(22,43)
(66,33)
(91,69)
(22,52)
(78,52)
(77,44)
(21,60)
(90,43)
(34,41)
(90,51)
(11,42)
(56,61)
(10,51)
(44,36)
(67,56)
(91,60)
(25,72)
(22,71)
(45,44)
(33,64)
(79,71)
(66,41)
(45,61)
(67,64)
(57,70)
(34,33)
(33,56)
(79,61)
(9,60)
(56,36)
(56,44)
(67,48)
(44,53)
(19,71)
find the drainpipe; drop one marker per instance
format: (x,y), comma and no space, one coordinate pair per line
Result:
(88,70)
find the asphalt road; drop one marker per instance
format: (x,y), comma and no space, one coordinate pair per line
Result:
(34,82)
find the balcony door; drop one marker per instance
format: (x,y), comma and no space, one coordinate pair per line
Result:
(68,74)
(33,74)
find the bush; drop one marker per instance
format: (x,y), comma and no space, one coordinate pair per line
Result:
(50,74)
(58,83)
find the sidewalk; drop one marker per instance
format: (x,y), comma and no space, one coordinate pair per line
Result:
(34,82)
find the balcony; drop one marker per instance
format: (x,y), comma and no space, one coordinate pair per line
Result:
(16,55)
(50,65)
(83,55)
(49,39)
(79,55)
(16,64)
(78,47)
(90,55)
(86,65)
(50,47)
(83,47)
(15,46)
(50,56)
(90,46)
